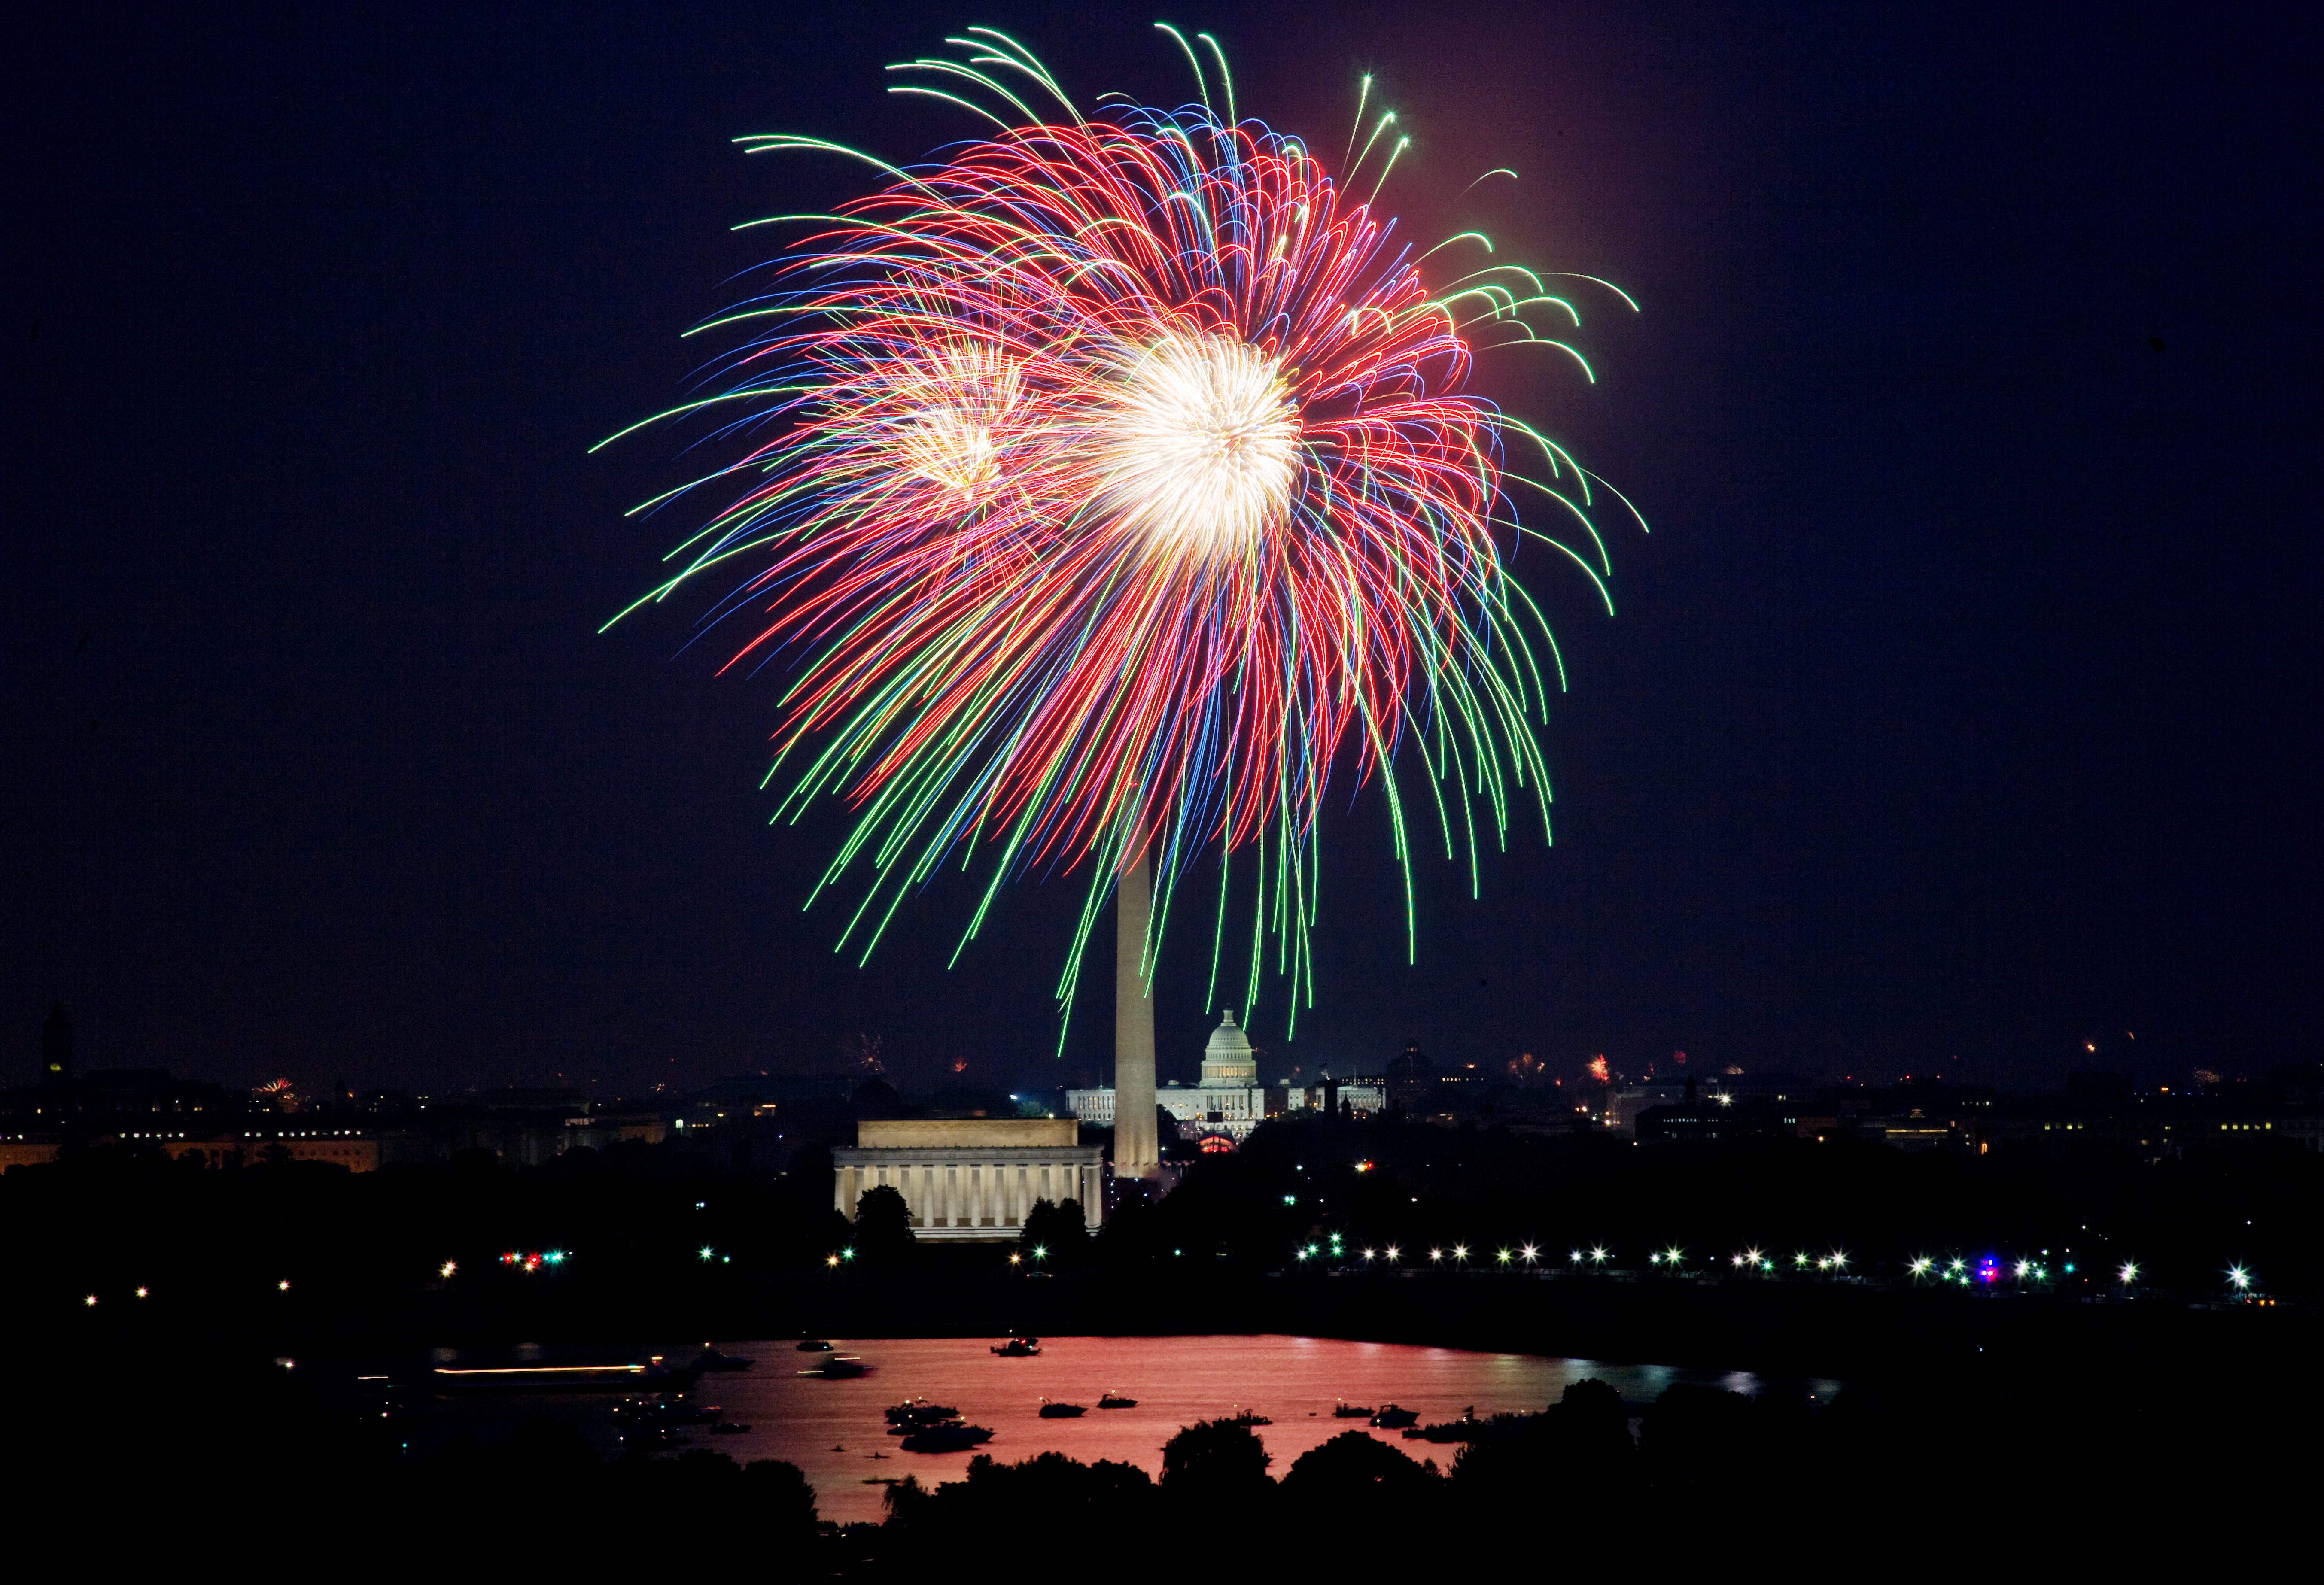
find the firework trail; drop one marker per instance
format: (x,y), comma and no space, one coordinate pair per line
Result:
(1105,480)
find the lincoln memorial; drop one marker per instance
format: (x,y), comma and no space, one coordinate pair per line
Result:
(972,1178)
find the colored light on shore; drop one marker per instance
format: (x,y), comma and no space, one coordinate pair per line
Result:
(447,1268)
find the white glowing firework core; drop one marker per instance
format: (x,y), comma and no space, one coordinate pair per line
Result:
(1201,451)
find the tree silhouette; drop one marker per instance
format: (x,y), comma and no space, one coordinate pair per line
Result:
(1215,1459)
(1059,1230)
(883,1226)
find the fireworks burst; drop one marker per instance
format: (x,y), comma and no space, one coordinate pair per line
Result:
(1107,478)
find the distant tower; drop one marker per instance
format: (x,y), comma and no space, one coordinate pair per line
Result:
(1226,1060)
(56,1049)
(1137,1142)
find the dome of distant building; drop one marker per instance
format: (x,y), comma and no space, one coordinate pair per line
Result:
(1228,1059)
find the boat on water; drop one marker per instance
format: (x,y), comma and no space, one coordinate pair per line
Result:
(921,1411)
(838,1368)
(1344,1410)
(1246,1418)
(813,1345)
(622,1375)
(945,1439)
(1018,1348)
(710,1359)
(663,1411)
(1392,1418)
(1050,1411)
(1116,1401)
(727,1428)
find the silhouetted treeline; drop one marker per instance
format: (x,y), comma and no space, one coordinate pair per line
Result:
(1381,1182)
(656,1240)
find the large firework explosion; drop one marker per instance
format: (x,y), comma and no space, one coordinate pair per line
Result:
(1107,477)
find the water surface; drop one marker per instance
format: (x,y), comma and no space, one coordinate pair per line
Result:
(835,1431)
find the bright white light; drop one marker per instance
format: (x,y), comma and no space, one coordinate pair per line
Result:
(1201,450)
(1392,1251)
(1437,1254)
(2129,1272)
(1459,1251)
(1599,1254)
(2240,1277)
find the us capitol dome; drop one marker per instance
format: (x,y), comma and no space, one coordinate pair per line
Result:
(1220,1110)
(1226,1060)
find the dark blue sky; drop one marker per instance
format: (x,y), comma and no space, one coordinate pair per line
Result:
(1963,703)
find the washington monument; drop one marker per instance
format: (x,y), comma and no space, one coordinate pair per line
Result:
(1137,1147)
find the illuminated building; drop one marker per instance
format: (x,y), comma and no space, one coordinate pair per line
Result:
(1226,1103)
(972,1178)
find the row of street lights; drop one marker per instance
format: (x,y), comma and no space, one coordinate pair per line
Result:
(1755,1262)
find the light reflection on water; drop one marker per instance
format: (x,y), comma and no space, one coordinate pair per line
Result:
(833,1430)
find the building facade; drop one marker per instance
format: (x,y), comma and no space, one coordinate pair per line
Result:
(972,1178)
(1226,1103)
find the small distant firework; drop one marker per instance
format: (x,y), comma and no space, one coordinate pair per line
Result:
(1107,477)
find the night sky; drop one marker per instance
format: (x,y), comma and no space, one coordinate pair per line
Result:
(1961,707)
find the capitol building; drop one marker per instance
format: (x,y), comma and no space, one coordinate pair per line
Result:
(1226,1103)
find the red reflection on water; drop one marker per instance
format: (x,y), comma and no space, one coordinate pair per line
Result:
(835,1431)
